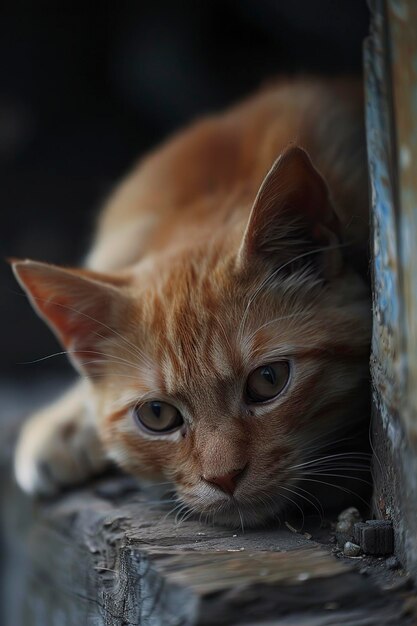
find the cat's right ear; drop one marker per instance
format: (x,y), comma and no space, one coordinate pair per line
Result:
(82,308)
(293,216)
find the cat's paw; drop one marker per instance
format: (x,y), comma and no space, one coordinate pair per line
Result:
(55,453)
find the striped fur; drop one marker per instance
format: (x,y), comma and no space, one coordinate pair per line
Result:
(203,281)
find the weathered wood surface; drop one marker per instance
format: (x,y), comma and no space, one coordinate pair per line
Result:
(391,119)
(85,559)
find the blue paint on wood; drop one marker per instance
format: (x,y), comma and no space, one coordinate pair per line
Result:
(391,120)
(386,303)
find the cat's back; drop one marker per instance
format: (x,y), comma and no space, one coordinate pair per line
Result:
(209,173)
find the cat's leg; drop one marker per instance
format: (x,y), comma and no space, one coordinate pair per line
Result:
(59,445)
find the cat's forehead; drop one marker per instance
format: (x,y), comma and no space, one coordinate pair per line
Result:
(206,325)
(180,324)
(197,361)
(209,354)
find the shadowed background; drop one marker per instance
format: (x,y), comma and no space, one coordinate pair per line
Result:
(85,91)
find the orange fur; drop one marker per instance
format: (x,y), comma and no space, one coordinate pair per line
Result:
(196,279)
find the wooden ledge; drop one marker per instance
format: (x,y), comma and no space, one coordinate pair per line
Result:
(109,553)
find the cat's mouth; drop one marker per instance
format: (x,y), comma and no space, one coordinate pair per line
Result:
(235,512)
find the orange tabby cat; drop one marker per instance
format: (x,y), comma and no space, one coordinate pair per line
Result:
(220,328)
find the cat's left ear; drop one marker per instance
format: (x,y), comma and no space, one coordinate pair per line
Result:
(293,216)
(83,308)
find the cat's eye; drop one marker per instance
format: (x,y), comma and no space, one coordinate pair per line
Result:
(158,416)
(267,381)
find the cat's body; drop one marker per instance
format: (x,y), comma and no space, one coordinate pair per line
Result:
(210,173)
(205,285)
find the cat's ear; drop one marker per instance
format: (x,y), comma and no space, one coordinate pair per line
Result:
(292,215)
(82,308)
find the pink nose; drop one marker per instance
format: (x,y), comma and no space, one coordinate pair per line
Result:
(226,482)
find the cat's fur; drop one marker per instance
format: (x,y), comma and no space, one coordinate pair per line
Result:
(204,267)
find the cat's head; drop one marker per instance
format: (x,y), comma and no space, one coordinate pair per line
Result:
(224,366)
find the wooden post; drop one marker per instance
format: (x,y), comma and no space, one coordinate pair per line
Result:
(391,103)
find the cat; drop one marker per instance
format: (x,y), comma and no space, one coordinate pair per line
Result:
(221,324)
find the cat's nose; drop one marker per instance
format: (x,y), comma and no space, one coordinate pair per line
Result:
(226,482)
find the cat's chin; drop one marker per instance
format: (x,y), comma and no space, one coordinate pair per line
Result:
(238,515)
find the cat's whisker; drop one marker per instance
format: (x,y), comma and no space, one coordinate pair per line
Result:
(189,511)
(305,312)
(108,362)
(249,304)
(341,455)
(249,338)
(323,441)
(313,461)
(292,501)
(137,354)
(335,428)
(367,482)
(241,518)
(181,509)
(156,503)
(312,457)
(211,517)
(200,517)
(325,444)
(179,503)
(157,484)
(303,497)
(354,469)
(336,486)
(44,358)
(270,504)
(111,358)
(224,333)
(250,508)
(132,349)
(98,375)
(349,460)
(274,274)
(316,502)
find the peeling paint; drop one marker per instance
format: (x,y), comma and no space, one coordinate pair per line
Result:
(403,50)
(390,59)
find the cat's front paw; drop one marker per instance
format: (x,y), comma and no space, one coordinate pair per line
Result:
(53,453)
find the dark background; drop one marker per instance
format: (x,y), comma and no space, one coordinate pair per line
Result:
(85,91)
